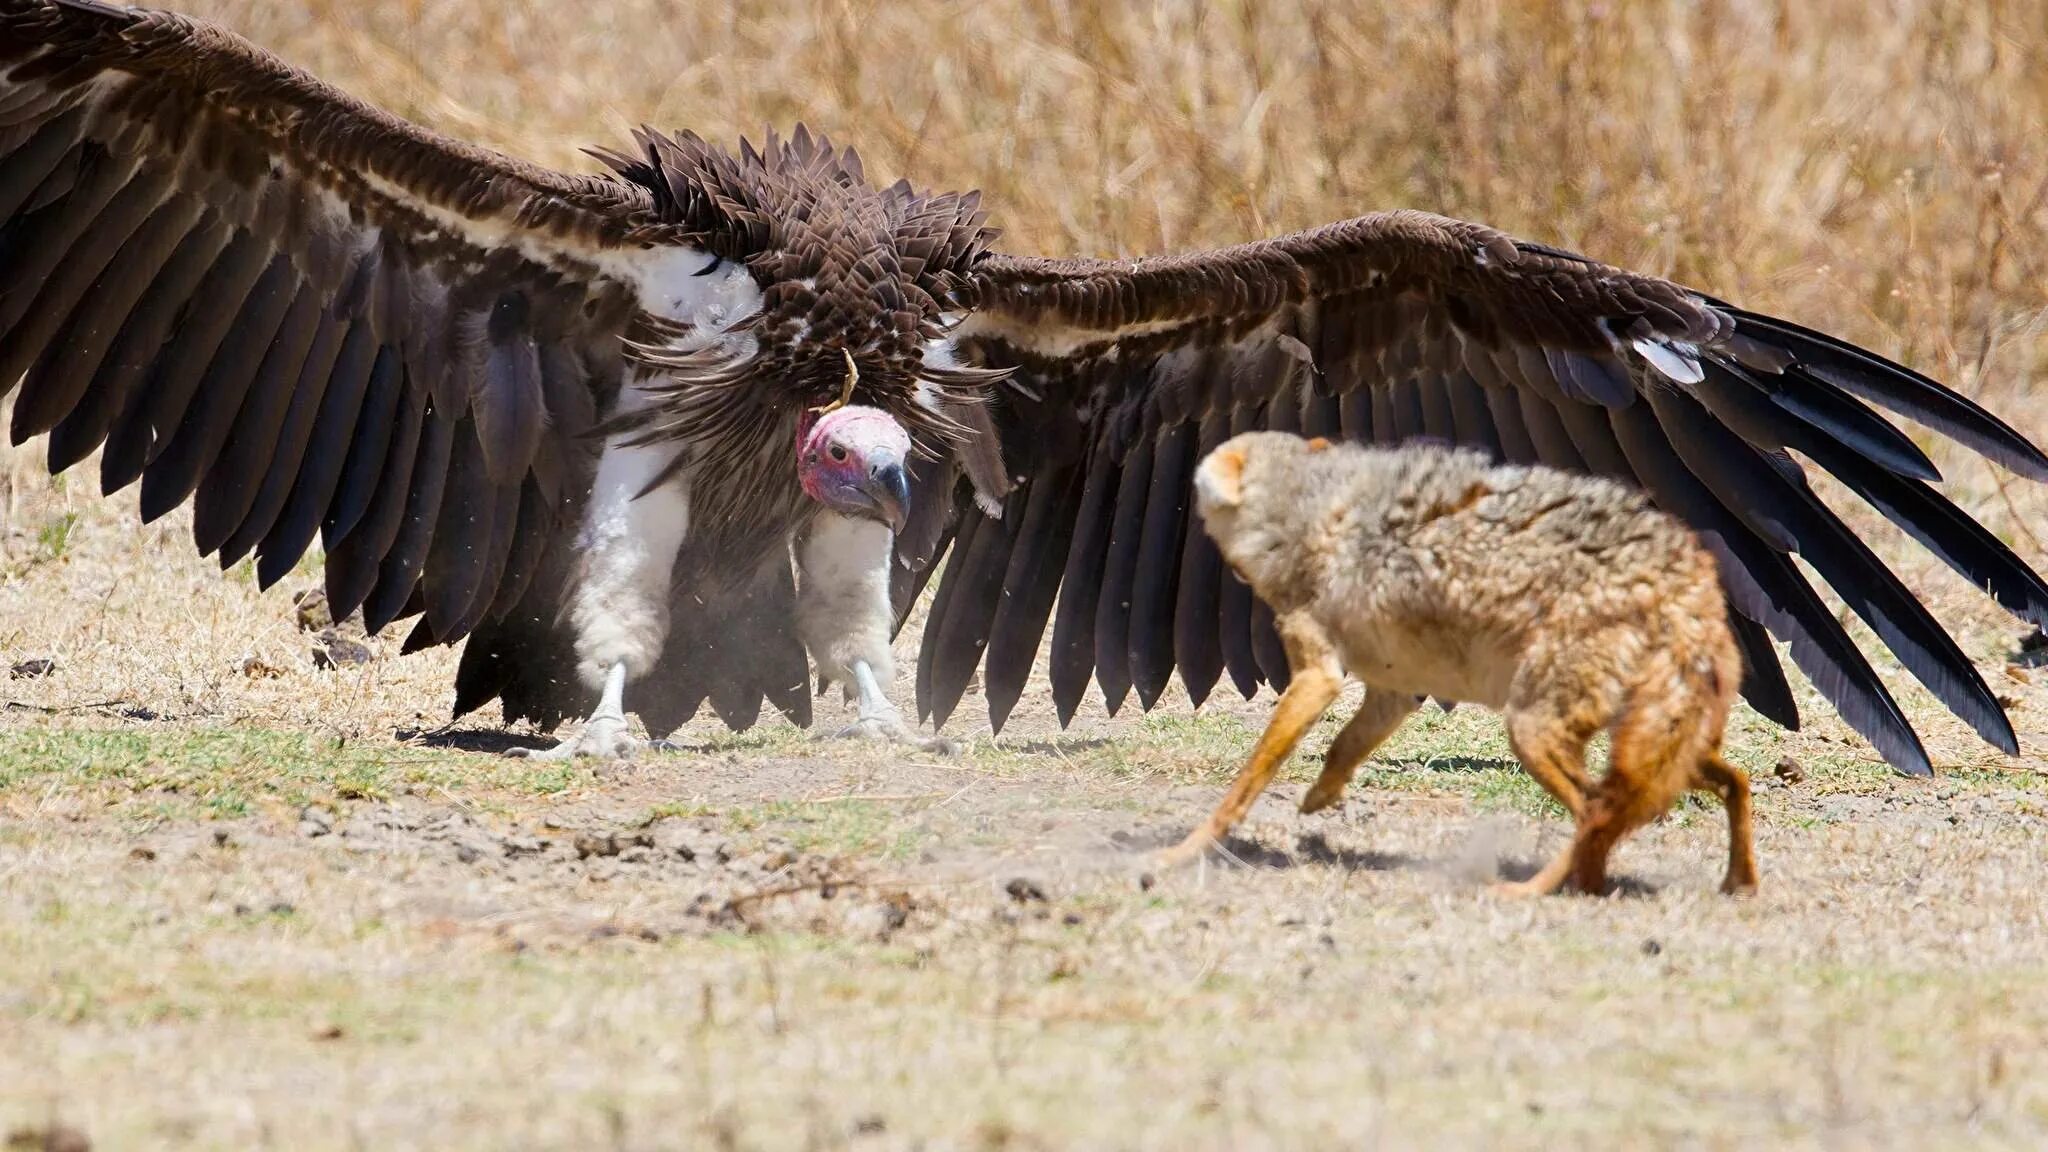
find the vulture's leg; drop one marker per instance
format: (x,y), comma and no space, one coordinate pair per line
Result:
(619,608)
(844,617)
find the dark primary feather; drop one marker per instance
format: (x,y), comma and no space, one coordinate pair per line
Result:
(1416,326)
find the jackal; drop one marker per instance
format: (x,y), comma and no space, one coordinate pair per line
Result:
(1567,602)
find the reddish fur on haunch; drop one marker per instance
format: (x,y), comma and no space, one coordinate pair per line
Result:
(1565,601)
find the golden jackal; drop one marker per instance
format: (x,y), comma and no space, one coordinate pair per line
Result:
(1567,602)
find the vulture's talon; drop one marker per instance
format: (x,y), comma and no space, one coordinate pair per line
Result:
(889,728)
(601,737)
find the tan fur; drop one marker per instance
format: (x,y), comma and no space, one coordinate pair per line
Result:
(1565,601)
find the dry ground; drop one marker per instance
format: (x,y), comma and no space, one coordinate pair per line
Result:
(244,902)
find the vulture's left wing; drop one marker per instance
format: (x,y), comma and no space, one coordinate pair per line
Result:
(313,315)
(1404,325)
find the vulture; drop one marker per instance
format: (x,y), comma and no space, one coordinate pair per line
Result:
(684,429)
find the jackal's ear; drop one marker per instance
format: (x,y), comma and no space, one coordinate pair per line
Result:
(1220,479)
(1317,444)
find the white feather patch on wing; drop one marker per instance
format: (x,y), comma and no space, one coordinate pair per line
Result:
(670,286)
(1675,361)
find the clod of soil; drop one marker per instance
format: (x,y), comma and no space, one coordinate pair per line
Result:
(1025,890)
(610,843)
(54,1138)
(333,650)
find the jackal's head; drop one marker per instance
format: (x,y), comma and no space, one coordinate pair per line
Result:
(1256,493)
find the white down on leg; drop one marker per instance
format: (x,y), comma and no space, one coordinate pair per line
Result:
(842,604)
(619,609)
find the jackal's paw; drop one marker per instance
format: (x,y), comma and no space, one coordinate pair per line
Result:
(601,737)
(1188,851)
(1321,796)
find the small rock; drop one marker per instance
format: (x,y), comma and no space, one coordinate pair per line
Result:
(328,1031)
(1789,770)
(142,852)
(884,920)
(333,650)
(1071,919)
(311,605)
(33,669)
(524,845)
(54,1138)
(1652,948)
(1145,881)
(467,853)
(610,844)
(1025,890)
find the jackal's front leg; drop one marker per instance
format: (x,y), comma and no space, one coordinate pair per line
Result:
(1316,680)
(1378,715)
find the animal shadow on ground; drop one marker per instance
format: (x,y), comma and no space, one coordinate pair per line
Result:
(492,740)
(1627,887)
(1059,745)
(1309,848)
(1464,764)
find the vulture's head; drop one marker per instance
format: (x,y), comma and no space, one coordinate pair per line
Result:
(853,460)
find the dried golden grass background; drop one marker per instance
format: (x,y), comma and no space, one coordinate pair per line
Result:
(1879,168)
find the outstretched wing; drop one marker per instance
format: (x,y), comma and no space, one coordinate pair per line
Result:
(314,316)
(1404,325)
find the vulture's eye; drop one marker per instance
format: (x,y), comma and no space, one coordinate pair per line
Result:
(839,453)
(708,269)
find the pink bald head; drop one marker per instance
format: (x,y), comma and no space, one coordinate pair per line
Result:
(852,460)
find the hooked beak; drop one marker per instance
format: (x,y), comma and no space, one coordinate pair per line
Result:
(887,491)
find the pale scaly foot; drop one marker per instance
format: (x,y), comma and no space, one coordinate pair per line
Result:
(879,720)
(605,736)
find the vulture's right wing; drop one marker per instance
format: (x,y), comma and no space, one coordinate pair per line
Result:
(1404,325)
